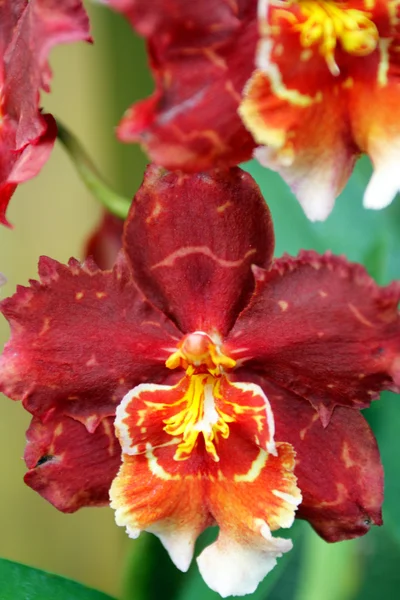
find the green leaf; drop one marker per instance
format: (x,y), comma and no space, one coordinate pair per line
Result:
(19,582)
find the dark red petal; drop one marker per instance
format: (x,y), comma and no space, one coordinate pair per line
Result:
(191,240)
(70,467)
(338,468)
(106,241)
(10,12)
(81,338)
(201,55)
(322,328)
(43,24)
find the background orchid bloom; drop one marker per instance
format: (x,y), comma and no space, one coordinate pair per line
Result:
(201,56)
(326,90)
(316,84)
(236,380)
(28,30)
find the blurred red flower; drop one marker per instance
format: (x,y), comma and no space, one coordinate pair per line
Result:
(327,89)
(201,55)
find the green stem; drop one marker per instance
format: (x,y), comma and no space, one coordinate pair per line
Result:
(113,202)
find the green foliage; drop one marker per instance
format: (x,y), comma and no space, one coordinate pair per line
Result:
(19,582)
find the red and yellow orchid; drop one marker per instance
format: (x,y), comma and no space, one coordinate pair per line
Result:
(327,89)
(236,380)
(322,88)
(28,31)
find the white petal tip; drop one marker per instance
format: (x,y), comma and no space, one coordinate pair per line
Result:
(314,192)
(383,185)
(233,569)
(180,547)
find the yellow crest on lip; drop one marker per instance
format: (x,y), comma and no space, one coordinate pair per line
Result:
(327,23)
(198,351)
(204,364)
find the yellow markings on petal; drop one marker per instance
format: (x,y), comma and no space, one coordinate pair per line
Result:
(359,316)
(199,415)
(222,208)
(305,55)
(158,470)
(369,4)
(348,83)
(303,432)
(328,22)
(253,111)
(283,305)
(346,458)
(383,66)
(292,96)
(256,467)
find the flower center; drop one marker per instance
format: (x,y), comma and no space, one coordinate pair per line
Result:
(328,22)
(205,365)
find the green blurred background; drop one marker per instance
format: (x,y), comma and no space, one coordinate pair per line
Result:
(52,215)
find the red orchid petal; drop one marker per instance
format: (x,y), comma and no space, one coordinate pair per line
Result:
(191,240)
(10,12)
(201,56)
(69,466)
(81,338)
(322,328)
(17,166)
(43,24)
(338,468)
(106,241)
(32,158)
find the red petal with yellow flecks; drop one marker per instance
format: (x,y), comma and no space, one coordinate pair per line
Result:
(81,338)
(243,488)
(338,468)
(191,240)
(144,413)
(201,56)
(28,31)
(322,328)
(69,466)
